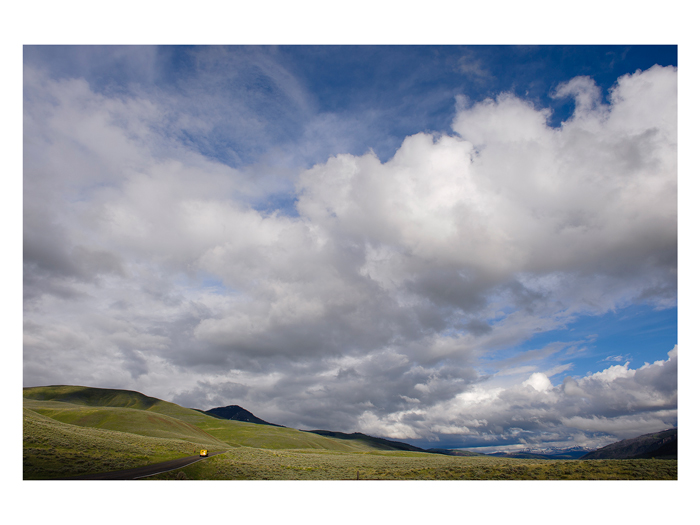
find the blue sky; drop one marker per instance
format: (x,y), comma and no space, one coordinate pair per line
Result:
(400,90)
(426,243)
(636,334)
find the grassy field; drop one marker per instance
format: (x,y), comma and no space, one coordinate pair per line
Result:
(70,431)
(248,463)
(53,449)
(238,433)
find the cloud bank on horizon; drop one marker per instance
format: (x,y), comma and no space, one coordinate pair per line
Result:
(228,232)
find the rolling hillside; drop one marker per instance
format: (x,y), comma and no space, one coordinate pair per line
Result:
(134,421)
(371,442)
(105,397)
(53,449)
(63,423)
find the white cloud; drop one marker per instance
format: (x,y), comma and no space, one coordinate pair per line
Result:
(586,93)
(539,382)
(404,275)
(616,405)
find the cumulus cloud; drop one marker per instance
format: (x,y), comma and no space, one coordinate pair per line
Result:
(147,264)
(616,403)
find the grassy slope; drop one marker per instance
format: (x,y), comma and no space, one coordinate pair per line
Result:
(81,395)
(140,422)
(54,449)
(239,433)
(104,397)
(232,433)
(368,441)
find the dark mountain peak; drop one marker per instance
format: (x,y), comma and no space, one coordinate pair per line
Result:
(662,445)
(237,413)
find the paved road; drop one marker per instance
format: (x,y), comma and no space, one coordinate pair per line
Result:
(148,470)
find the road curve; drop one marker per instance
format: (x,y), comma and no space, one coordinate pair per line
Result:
(148,470)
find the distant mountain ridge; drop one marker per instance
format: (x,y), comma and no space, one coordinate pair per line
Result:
(379,443)
(660,445)
(451,452)
(237,413)
(569,453)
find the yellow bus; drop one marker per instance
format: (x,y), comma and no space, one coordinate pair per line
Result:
(204,453)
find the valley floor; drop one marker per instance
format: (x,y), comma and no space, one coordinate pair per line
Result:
(257,464)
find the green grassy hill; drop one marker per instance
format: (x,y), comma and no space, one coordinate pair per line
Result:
(105,397)
(53,449)
(73,430)
(239,433)
(369,442)
(129,411)
(80,395)
(134,421)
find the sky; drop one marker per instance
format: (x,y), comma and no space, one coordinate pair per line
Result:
(451,246)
